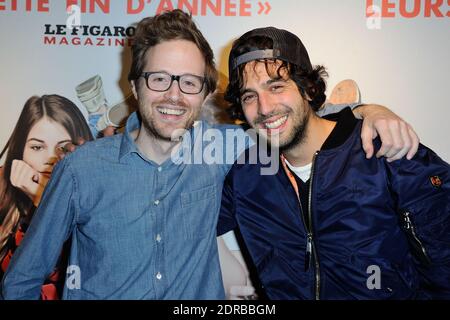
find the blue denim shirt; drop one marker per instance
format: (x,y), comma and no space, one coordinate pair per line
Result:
(139,230)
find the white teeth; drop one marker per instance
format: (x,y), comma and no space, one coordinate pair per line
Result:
(175,112)
(276,124)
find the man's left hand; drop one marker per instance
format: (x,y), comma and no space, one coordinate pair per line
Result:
(397,136)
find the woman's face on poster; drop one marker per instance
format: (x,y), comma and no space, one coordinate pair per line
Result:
(44,139)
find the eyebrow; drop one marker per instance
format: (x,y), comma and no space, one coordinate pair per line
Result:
(42,141)
(245,91)
(267,83)
(171,74)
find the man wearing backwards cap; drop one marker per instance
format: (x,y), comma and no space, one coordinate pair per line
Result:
(330,224)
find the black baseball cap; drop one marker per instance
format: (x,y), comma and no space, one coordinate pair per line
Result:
(286,46)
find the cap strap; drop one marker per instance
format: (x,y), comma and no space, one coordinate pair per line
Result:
(255,55)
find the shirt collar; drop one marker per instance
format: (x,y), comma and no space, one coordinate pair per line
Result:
(128,145)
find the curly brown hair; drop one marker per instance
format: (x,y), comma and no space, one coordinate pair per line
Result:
(310,83)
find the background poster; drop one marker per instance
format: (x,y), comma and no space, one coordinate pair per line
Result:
(396,50)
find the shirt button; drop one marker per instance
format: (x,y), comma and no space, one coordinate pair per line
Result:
(158,237)
(159,169)
(156,202)
(158,276)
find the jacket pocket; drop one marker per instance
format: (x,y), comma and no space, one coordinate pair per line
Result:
(415,243)
(427,226)
(283,279)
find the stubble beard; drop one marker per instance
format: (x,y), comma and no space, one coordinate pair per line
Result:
(151,127)
(298,135)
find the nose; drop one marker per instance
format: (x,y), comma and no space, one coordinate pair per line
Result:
(174,93)
(265,104)
(52,158)
(52,161)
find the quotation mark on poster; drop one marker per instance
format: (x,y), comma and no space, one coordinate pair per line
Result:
(264,8)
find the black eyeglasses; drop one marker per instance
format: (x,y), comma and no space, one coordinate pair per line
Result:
(162,81)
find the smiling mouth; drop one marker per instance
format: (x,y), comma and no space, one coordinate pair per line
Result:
(171,111)
(272,125)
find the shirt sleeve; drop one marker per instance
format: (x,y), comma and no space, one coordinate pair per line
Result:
(40,249)
(422,189)
(227,220)
(329,108)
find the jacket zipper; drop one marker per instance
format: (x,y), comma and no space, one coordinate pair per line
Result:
(409,226)
(310,247)
(310,252)
(313,246)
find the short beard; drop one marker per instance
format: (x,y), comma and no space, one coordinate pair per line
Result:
(150,126)
(299,134)
(151,130)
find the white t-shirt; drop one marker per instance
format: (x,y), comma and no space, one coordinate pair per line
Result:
(230,241)
(304,173)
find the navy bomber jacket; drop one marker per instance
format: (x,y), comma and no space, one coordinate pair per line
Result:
(371,229)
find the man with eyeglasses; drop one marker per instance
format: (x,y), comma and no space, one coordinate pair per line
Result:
(142,225)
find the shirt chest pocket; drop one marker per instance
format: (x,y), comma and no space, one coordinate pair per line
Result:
(198,212)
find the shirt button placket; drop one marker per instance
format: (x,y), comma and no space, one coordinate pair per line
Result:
(160,179)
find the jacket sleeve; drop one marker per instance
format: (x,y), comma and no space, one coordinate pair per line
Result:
(421,187)
(227,220)
(40,249)
(331,109)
